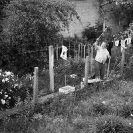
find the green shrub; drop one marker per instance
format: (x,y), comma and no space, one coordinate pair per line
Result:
(113,124)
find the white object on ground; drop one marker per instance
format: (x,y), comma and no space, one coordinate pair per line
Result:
(3,101)
(38,116)
(73,75)
(66,89)
(93,80)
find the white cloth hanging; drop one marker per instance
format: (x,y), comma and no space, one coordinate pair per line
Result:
(64,53)
(123,44)
(129,40)
(117,43)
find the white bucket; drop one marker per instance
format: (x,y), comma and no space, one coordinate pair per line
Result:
(66,89)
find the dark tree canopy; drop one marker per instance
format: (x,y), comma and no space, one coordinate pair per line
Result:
(32,25)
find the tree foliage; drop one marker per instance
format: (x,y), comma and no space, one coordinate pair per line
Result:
(92,32)
(119,9)
(32,25)
(37,21)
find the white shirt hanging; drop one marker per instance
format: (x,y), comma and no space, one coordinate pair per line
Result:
(64,53)
(123,45)
(117,43)
(129,40)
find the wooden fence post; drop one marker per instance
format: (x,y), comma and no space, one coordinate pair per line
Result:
(86,71)
(122,60)
(35,86)
(74,51)
(51,66)
(88,50)
(57,52)
(78,52)
(81,50)
(91,60)
(84,51)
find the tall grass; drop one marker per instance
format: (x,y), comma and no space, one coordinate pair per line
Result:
(105,111)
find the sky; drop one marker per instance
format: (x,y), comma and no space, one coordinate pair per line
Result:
(88,14)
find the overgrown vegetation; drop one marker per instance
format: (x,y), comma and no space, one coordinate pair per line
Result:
(95,109)
(29,27)
(108,110)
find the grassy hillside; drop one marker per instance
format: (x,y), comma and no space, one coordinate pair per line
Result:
(107,110)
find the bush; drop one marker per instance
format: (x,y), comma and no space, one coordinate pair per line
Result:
(14,90)
(113,124)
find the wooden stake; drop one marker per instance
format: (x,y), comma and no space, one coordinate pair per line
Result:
(91,60)
(86,71)
(122,60)
(35,86)
(77,56)
(51,66)
(78,52)
(74,51)
(81,50)
(57,52)
(108,69)
(88,50)
(65,79)
(84,51)
(69,46)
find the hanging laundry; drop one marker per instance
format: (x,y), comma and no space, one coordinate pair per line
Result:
(117,43)
(123,45)
(64,53)
(129,40)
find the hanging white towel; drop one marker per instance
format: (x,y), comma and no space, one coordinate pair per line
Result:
(64,53)
(123,45)
(129,40)
(117,43)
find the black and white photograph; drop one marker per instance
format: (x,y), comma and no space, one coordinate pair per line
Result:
(66,66)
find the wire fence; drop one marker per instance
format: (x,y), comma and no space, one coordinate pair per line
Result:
(65,73)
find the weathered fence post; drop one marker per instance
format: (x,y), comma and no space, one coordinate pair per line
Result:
(122,60)
(57,52)
(74,52)
(35,86)
(91,60)
(86,71)
(84,51)
(78,52)
(51,66)
(81,50)
(88,50)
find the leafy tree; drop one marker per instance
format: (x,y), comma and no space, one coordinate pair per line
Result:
(92,32)
(118,9)
(32,25)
